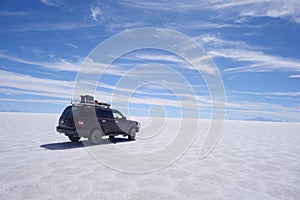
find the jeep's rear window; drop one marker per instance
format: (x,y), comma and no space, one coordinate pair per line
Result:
(87,112)
(67,112)
(82,111)
(76,111)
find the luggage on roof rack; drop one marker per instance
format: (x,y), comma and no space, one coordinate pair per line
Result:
(89,100)
(86,99)
(101,103)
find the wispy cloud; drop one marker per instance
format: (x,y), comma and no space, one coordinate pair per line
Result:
(57,65)
(250,58)
(13,13)
(289,94)
(177,6)
(201,62)
(157,57)
(59,26)
(236,109)
(72,45)
(56,101)
(257,61)
(216,42)
(295,76)
(285,9)
(246,109)
(120,26)
(96,12)
(200,25)
(16,83)
(55,3)
(227,9)
(158,90)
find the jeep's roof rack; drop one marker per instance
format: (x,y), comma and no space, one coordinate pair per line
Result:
(87,100)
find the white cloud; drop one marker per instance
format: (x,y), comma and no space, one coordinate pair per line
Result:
(55,3)
(202,63)
(72,45)
(15,83)
(25,91)
(158,57)
(289,94)
(257,61)
(96,12)
(227,9)
(215,42)
(56,65)
(36,101)
(13,13)
(251,58)
(164,5)
(285,9)
(49,27)
(158,90)
(236,109)
(247,109)
(200,25)
(295,76)
(91,66)
(121,26)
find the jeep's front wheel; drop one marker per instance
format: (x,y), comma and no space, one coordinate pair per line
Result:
(73,138)
(95,137)
(132,134)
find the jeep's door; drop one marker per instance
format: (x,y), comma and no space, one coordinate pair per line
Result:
(120,120)
(106,121)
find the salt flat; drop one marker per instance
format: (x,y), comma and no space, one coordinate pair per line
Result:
(252,160)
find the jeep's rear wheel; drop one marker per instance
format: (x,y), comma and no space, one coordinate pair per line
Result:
(95,137)
(132,134)
(73,138)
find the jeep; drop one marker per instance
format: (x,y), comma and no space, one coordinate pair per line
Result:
(93,121)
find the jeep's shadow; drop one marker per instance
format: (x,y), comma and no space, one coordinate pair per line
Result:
(81,144)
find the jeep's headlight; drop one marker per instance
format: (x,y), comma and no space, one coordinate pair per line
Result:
(138,124)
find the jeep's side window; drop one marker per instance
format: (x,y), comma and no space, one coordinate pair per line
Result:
(98,113)
(108,114)
(117,115)
(104,113)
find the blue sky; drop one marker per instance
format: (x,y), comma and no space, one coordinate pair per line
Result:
(255,44)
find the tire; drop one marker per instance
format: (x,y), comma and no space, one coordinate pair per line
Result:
(73,138)
(132,134)
(95,137)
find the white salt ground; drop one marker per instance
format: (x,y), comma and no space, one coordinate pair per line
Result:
(252,160)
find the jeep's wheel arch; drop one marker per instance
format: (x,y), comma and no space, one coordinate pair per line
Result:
(132,133)
(95,136)
(73,138)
